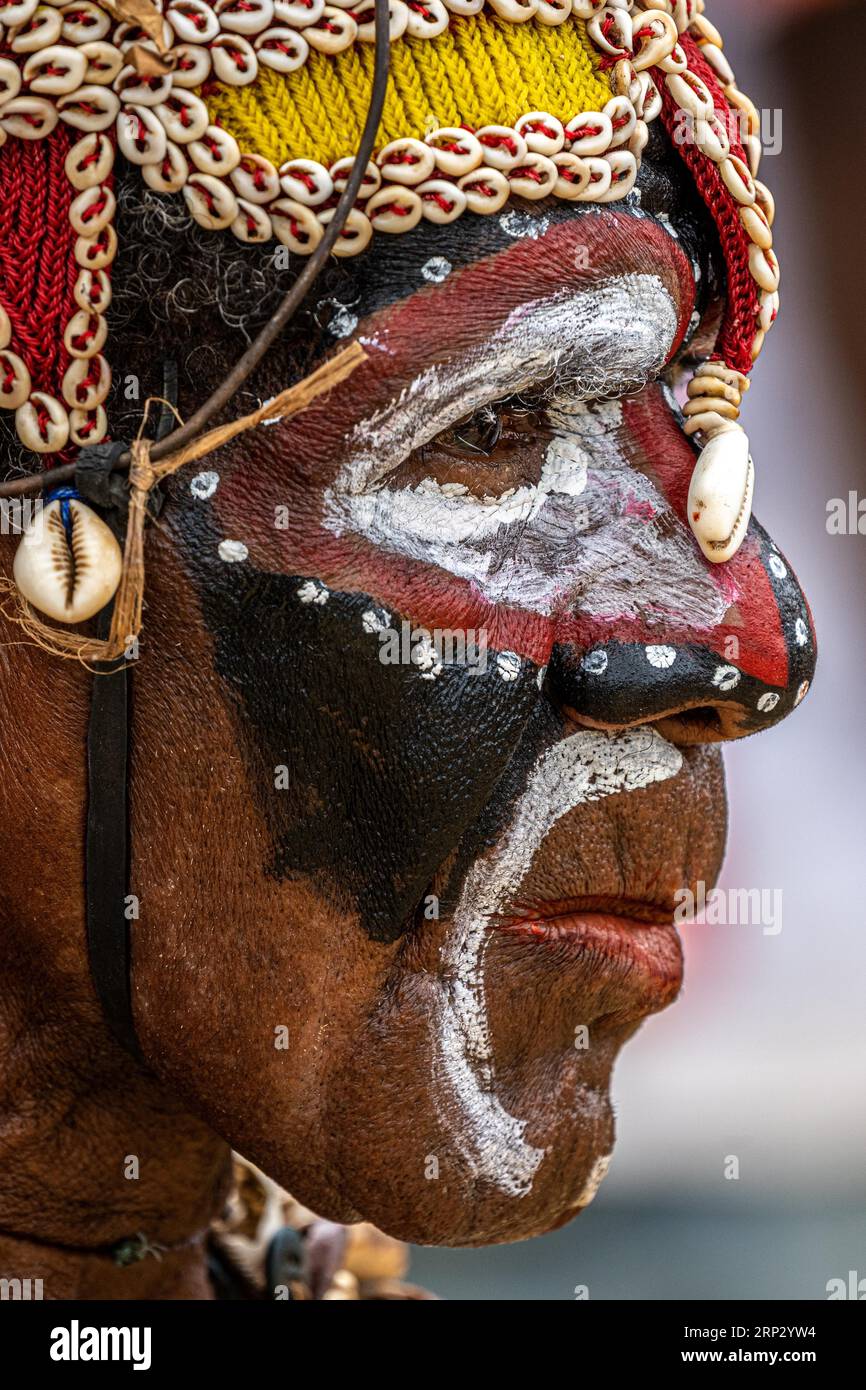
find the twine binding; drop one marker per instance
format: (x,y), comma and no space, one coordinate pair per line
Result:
(126,619)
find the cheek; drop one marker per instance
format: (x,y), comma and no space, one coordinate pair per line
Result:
(369,750)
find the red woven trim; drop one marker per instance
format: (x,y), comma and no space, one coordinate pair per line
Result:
(739,326)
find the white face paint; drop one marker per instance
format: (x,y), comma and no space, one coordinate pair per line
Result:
(574,536)
(585,767)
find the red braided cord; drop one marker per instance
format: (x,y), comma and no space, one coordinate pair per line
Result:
(37,269)
(740,325)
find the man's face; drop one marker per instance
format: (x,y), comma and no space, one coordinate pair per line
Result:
(462,670)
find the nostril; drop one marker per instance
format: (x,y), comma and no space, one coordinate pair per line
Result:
(702,724)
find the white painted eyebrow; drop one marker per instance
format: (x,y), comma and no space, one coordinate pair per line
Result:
(602,340)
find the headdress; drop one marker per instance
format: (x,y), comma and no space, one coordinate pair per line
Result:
(252,112)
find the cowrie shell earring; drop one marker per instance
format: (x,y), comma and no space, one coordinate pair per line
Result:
(68,564)
(720,495)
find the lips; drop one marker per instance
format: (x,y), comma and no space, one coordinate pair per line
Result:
(641,961)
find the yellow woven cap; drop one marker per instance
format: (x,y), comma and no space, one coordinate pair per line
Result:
(480,71)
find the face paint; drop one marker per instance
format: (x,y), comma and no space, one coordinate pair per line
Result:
(585,767)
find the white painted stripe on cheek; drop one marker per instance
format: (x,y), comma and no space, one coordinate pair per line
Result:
(587,766)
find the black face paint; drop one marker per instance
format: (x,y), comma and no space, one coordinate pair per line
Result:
(384,769)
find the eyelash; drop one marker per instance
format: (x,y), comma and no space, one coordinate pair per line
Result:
(481,431)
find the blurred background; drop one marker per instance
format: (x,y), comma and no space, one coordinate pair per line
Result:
(763,1057)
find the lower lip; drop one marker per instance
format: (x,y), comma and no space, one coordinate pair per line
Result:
(645,957)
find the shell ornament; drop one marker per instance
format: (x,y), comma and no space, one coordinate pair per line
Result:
(216,101)
(68,564)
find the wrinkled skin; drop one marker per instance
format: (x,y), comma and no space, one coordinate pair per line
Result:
(295,991)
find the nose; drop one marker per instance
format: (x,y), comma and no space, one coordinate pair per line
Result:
(696,685)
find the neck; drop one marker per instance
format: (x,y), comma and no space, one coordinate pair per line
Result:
(107,1184)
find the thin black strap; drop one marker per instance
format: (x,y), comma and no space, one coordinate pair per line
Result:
(107,847)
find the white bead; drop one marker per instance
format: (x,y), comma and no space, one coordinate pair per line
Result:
(456,151)
(543,133)
(299,13)
(184,117)
(712,139)
(406,161)
(757,227)
(92,291)
(394,209)
(589,134)
(515,11)
(86,382)
(142,91)
(356,234)
(211,202)
(720,494)
(252,223)
(370,183)
(600,180)
(486,190)
(650,105)
(55,70)
(44,28)
(719,63)
(768,311)
(10,80)
(42,425)
(441,201)
(612,32)
(501,146)
(234,60)
(282,49)
(16,12)
(215,153)
(28,118)
(5,329)
(638,142)
(623,118)
(333,33)
(88,426)
(249,17)
(623,176)
(659,44)
(89,108)
(193,21)
(738,180)
(192,65)
(676,61)
(296,226)
(77,337)
(573,175)
(553,12)
(97,252)
(255,179)
(464,7)
(765,201)
(172,172)
(84,22)
(429,21)
(691,95)
(89,161)
(141,135)
(306,181)
(398,20)
(68,578)
(15,383)
(765,269)
(92,210)
(534,178)
(104,62)
(754,153)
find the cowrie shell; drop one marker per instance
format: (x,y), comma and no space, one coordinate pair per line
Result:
(67,577)
(720,494)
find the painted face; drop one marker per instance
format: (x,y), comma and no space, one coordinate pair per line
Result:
(453,698)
